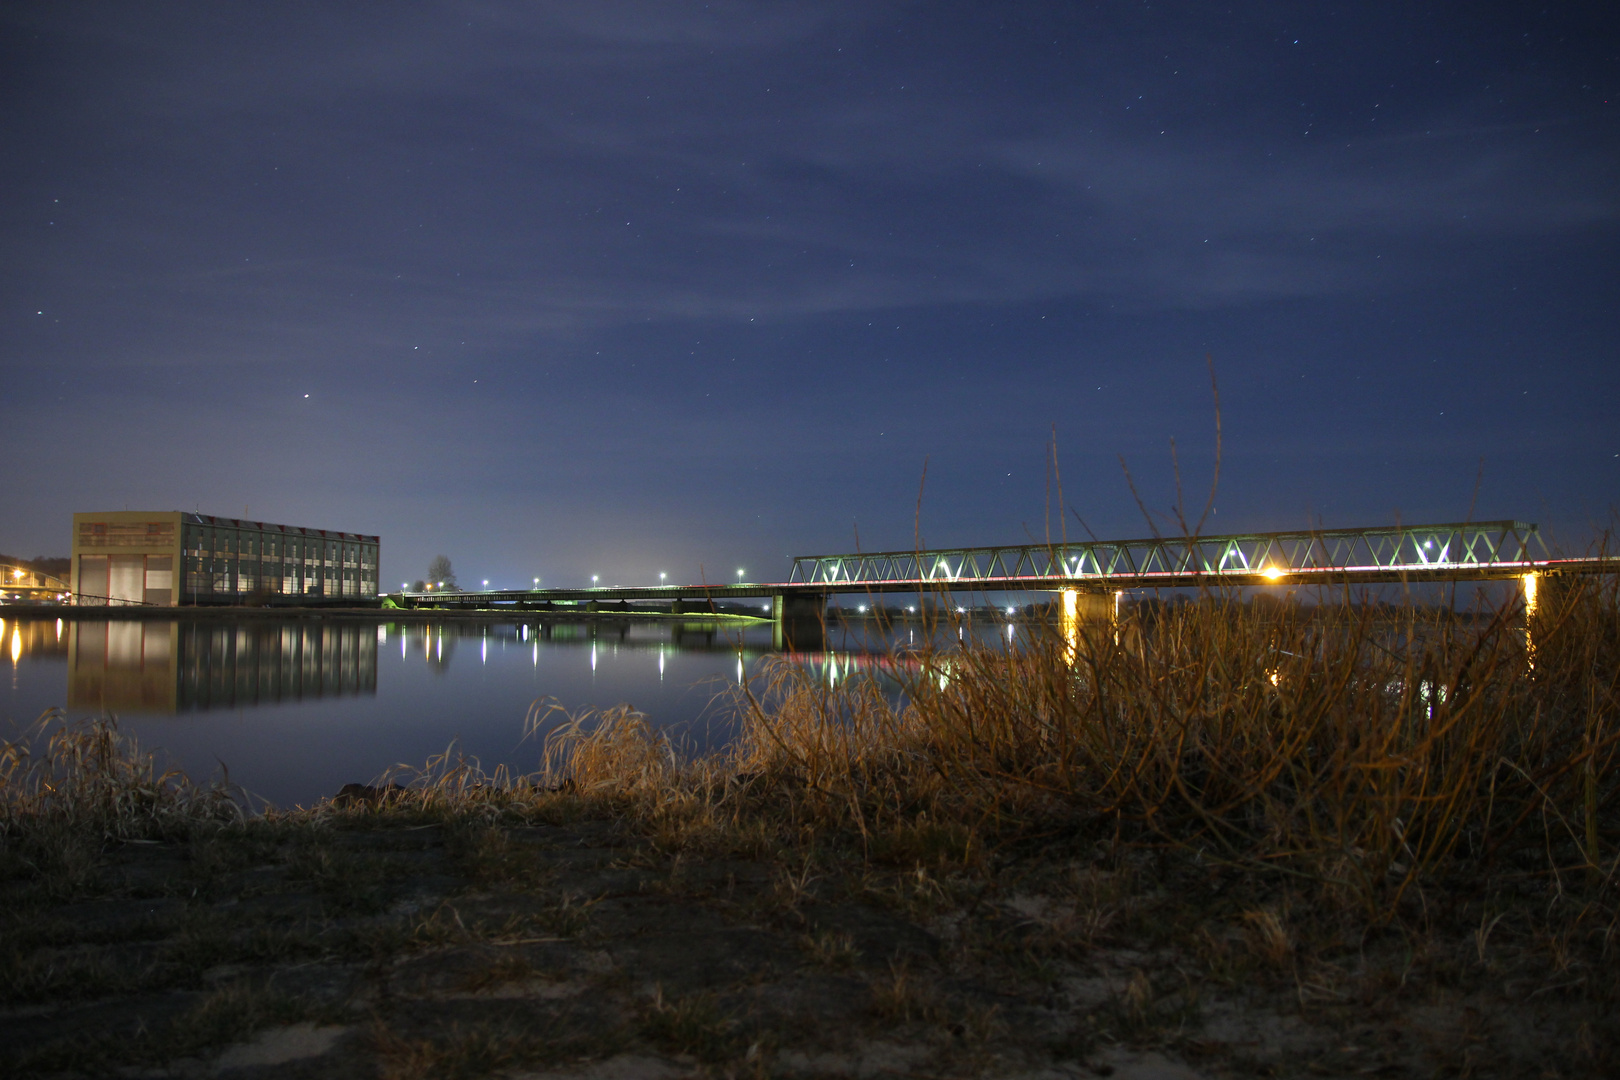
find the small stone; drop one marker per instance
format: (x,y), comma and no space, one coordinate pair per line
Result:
(278,1046)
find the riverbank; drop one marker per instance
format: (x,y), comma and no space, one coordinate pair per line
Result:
(1221,845)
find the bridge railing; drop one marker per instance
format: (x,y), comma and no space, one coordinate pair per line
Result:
(1417,548)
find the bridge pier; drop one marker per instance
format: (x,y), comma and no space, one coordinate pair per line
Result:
(1087,608)
(798,621)
(1090,606)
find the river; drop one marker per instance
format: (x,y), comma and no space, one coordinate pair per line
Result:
(297,707)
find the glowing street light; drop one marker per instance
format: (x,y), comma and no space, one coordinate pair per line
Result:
(739,577)
(661,577)
(486,583)
(594,579)
(1273,573)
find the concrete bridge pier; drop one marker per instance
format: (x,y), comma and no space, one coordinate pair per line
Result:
(1087,607)
(1090,606)
(799,621)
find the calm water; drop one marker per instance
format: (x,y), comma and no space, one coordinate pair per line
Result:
(298,708)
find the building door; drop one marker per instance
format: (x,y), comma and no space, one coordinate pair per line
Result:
(126,579)
(93,580)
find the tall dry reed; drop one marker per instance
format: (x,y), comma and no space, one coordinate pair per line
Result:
(93,779)
(1360,746)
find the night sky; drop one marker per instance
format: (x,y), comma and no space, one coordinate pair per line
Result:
(615,288)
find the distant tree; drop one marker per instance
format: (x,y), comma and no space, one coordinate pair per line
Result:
(441,572)
(57,566)
(418,585)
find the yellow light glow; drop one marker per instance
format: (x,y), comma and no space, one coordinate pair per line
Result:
(1070,624)
(1529,581)
(1273,573)
(16,644)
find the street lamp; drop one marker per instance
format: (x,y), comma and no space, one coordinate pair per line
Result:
(537,583)
(594,579)
(739,577)
(486,583)
(661,577)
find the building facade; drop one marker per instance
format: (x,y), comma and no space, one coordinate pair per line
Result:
(175,558)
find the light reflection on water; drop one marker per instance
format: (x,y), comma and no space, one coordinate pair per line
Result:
(295,708)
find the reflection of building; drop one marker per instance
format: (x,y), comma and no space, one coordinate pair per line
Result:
(26,583)
(137,557)
(150,666)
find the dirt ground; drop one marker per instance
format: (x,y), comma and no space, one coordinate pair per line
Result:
(362,944)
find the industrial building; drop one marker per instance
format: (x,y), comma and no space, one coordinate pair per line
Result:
(174,558)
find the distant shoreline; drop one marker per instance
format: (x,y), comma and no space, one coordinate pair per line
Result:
(370,614)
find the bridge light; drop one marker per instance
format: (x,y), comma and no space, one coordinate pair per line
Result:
(1273,573)
(594,579)
(661,577)
(486,583)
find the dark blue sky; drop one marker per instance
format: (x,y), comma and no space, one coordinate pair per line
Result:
(617,288)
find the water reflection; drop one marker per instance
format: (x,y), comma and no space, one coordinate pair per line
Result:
(167,667)
(176,666)
(326,713)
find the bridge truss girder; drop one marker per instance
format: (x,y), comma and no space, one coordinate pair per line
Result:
(1422,552)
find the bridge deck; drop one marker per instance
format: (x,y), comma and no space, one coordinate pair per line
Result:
(1477,551)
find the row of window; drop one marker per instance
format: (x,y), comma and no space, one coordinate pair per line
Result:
(217,576)
(202,541)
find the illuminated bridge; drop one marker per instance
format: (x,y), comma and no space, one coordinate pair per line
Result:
(1468,551)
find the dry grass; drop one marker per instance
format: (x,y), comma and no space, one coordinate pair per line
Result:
(1366,755)
(1367,752)
(94,780)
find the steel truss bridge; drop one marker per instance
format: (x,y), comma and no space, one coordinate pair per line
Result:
(1462,551)
(1465,551)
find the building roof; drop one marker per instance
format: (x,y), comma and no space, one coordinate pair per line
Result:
(266,526)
